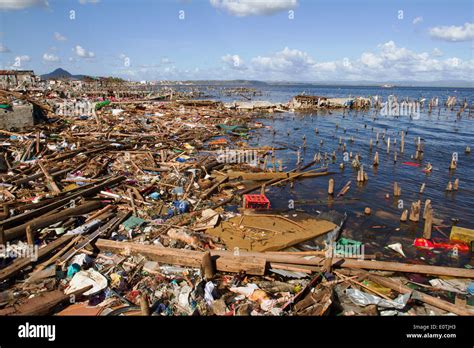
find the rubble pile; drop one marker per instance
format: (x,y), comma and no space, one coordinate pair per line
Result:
(140,209)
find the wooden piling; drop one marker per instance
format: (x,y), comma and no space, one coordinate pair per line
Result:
(404,216)
(376,158)
(396,189)
(452,166)
(415,211)
(426,208)
(449,188)
(456,184)
(331,187)
(402,142)
(428,224)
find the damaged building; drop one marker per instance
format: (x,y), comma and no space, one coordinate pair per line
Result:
(17,79)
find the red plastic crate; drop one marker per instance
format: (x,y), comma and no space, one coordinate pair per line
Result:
(256,202)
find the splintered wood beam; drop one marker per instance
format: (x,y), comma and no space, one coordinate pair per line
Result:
(52,184)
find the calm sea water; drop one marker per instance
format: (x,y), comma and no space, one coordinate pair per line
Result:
(442,134)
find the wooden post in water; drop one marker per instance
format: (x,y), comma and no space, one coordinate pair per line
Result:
(404,216)
(402,142)
(376,158)
(449,188)
(452,166)
(331,187)
(396,189)
(427,208)
(456,184)
(428,224)
(415,211)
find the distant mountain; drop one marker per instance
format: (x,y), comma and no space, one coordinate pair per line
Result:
(59,74)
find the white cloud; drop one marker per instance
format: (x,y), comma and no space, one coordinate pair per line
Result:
(242,8)
(388,62)
(59,37)
(417,20)
(437,52)
(84,2)
(83,53)
(454,33)
(234,61)
(371,60)
(21,4)
(50,58)
(4,49)
(287,60)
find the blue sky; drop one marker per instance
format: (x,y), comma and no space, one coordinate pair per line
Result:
(296,40)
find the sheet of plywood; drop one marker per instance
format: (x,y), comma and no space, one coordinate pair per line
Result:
(269,232)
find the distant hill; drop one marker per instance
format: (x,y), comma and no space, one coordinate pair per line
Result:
(59,74)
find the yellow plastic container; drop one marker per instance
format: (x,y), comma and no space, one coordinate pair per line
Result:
(461,234)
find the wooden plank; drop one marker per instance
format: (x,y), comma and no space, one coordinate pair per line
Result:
(359,264)
(237,264)
(41,222)
(49,178)
(183,257)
